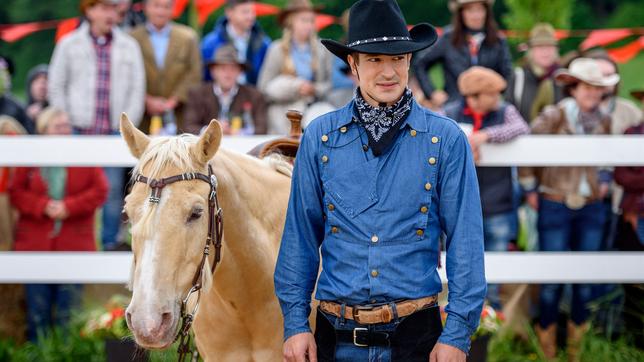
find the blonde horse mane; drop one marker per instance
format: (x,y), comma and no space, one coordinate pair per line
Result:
(175,152)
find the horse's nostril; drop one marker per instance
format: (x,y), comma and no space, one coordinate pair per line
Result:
(128,318)
(166,318)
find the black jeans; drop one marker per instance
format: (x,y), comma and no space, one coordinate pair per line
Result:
(412,338)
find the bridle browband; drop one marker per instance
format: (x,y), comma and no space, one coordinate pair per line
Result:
(215,233)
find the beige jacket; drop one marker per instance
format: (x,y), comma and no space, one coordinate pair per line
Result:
(561,181)
(72,78)
(181,69)
(282,90)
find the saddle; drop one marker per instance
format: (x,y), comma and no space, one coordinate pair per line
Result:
(284,146)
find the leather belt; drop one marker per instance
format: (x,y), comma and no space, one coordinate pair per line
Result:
(572,201)
(378,314)
(362,337)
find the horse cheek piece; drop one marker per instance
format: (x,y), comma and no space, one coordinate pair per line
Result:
(215,233)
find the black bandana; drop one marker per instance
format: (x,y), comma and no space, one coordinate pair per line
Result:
(381,123)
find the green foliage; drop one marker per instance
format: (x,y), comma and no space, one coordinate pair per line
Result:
(523,14)
(55,346)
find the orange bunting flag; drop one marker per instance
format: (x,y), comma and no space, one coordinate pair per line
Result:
(207,7)
(627,52)
(179,7)
(15,32)
(262,9)
(65,27)
(604,37)
(322,21)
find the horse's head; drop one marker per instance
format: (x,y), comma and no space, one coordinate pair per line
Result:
(169,235)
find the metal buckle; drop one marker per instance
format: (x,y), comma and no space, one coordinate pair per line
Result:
(356,310)
(355,337)
(575,201)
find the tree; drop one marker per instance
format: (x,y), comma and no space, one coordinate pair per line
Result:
(523,14)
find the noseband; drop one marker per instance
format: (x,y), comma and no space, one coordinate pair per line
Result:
(215,233)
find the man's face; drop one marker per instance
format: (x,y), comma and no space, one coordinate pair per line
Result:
(483,103)
(544,56)
(102,17)
(382,78)
(159,12)
(242,16)
(225,75)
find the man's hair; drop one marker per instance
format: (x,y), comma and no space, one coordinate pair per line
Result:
(232,3)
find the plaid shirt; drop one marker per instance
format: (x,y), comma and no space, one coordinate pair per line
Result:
(102,123)
(513,125)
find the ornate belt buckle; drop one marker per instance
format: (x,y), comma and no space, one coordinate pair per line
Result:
(575,201)
(355,337)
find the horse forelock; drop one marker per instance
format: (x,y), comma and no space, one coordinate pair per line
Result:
(167,152)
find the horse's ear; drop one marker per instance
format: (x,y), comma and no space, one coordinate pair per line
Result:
(209,142)
(136,140)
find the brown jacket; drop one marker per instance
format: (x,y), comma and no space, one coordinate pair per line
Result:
(561,181)
(202,106)
(181,69)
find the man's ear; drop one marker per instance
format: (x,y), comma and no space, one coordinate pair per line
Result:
(353,65)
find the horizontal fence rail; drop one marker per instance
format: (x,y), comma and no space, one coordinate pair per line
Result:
(500,267)
(534,150)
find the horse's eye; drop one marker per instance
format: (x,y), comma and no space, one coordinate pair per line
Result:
(195,214)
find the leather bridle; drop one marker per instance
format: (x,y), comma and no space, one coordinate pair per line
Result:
(215,233)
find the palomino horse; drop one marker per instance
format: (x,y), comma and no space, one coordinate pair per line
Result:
(238,317)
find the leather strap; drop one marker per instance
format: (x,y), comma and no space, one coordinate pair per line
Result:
(380,314)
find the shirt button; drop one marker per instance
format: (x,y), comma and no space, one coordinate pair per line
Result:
(374,239)
(331,207)
(365,148)
(334,230)
(428,186)
(434,139)
(374,273)
(419,232)
(373,301)
(413,133)
(424,209)
(343,129)
(325,138)
(432,161)
(325,159)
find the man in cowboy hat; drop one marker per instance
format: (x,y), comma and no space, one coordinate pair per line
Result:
(241,108)
(375,185)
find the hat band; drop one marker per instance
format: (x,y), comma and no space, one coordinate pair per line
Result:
(377,40)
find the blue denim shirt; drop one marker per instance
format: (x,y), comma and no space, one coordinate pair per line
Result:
(377,221)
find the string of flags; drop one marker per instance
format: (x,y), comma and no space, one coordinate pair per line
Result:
(204,8)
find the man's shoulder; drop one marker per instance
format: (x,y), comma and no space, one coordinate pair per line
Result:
(250,91)
(332,120)
(438,124)
(184,32)
(73,39)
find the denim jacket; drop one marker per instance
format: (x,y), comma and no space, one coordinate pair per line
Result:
(376,221)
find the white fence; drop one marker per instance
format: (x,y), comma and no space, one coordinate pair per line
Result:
(114,267)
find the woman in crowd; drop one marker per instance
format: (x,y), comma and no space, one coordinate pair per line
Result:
(472,39)
(56,207)
(572,215)
(297,70)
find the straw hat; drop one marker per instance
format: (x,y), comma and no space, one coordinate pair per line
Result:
(585,70)
(542,34)
(479,79)
(454,5)
(294,6)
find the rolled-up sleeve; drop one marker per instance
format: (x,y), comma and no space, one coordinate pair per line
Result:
(298,260)
(462,222)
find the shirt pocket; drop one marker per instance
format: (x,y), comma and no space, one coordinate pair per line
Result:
(353,189)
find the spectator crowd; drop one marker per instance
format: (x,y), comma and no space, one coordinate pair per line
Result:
(169,81)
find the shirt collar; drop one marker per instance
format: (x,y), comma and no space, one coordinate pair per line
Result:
(219,93)
(231,32)
(165,31)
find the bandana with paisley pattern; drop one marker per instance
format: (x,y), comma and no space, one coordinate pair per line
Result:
(381,123)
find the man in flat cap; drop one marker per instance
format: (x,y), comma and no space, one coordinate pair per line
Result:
(375,185)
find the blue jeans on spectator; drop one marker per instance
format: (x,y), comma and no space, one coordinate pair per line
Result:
(498,231)
(113,207)
(564,229)
(49,305)
(640,229)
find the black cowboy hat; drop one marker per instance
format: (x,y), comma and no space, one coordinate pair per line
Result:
(378,27)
